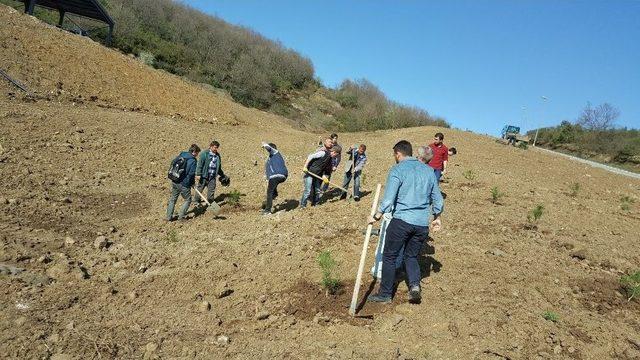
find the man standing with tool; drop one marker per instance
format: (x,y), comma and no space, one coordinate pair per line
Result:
(358,158)
(208,169)
(412,195)
(315,164)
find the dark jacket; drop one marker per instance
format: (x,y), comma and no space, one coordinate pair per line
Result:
(204,160)
(275,165)
(318,166)
(189,170)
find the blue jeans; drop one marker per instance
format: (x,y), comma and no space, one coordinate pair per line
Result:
(177,190)
(311,190)
(356,182)
(412,237)
(438,174)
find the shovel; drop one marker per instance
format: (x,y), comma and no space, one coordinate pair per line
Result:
(215,208)
(330,183)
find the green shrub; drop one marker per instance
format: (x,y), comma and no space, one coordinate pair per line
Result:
(575,188)
(172,236)
(631,284)
(469,175)
(327,265)
(535,214)
(233,198)
(551,316)
(523,145)
(625,202)
(496,195)
(147,58)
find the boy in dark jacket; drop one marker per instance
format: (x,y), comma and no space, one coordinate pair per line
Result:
(276,173)
(182,187)
(316,164)
(208,169)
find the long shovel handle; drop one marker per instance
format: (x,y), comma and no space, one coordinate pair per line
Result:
(330,183)
(363,257)
(215,208)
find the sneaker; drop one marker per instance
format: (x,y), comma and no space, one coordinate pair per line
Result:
(265,212)
(414,295)
(379,299)
(356,198)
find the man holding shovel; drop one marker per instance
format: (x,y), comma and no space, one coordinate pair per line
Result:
(411,194)
(208,169)
(316,164)
(357,160)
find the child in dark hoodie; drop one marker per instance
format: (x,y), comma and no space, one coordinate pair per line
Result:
(276,173)
(182,187)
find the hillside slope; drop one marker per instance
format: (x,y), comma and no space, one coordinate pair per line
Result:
(74,171)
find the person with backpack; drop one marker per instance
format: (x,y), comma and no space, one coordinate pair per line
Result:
(182,175)
(316,164)
(357,160)
(276,173)
(208,169)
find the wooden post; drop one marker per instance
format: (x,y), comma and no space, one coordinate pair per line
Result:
(363,257)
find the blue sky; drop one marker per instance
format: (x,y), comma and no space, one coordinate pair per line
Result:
(475,62)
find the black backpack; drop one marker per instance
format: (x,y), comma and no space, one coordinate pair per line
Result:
(177,169)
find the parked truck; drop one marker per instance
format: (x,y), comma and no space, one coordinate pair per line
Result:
(511,134)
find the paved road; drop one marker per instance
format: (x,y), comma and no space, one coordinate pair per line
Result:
(612,169)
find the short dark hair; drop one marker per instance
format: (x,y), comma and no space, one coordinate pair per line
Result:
(333,136)
(214,143)
(403,147)
(440,136)
(273,146)
(363,147)
(194,148)
(453,151)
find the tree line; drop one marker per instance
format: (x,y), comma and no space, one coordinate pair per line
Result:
(255,71)
(594,133)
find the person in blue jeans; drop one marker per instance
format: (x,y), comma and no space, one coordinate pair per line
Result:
(316,163)
(357,161)
(182,187)
(412,192)
(276,173)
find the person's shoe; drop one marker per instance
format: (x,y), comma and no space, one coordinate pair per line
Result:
(414,295)
(343,196)
(356,198)
(265,212)
(379,299)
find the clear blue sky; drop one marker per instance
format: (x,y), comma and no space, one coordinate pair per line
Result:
(475,62)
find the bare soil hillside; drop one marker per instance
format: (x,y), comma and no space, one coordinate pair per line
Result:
(88,268)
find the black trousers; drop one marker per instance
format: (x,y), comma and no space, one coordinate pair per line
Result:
(272,191)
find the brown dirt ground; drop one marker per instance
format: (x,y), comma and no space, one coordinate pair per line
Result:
(72,170)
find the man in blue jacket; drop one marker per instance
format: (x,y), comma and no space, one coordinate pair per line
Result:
(276,173)
(209,169)
(182,187)
(412,195)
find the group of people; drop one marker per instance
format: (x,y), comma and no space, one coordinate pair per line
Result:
(412,195)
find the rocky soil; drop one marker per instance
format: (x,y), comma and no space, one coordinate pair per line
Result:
(88,268)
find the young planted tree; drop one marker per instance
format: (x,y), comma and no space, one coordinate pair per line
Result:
(631,284)
(327,265)
(574,188)
(496,195)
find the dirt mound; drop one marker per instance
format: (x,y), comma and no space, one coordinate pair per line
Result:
(56,64)
(88,268)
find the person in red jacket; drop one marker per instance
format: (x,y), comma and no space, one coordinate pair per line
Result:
(440,155)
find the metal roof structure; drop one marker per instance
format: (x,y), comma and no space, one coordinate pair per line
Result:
(86,8)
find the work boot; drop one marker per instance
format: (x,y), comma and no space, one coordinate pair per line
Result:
(379,299)
(414,295)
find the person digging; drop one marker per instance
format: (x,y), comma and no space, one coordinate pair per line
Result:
(316,164)
(411,194)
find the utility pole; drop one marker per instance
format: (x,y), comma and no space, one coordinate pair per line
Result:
(544,102)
